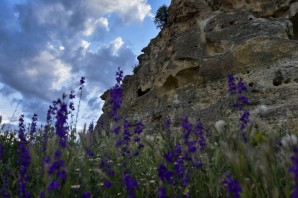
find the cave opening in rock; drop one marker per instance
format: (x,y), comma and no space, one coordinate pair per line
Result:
(171,83)
(294,20)
(141,93)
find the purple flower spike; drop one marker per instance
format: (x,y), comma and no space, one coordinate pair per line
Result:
(162,193)
(107,184)
(53,186)
(232,84)
(86,195)
(116,96)
(241,86)
(1,152)
(232,186)
(244,118)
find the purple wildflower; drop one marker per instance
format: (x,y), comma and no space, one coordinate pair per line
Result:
(33,125)
(116,130)
(162,193)
(90,153)
(72,95)
(107,184)
(86,194)
(244,118)
(4,189)
(82,81)
(164,174)
(232,186)
(61,123)
(139,128)
(1,152)
(130,184)
(91,127)
(187,127)
(116,96)
(200,135)
(168,123)
(241,86)
(24,160)
(294,170)
(53,186)
(62,175)
(232,84)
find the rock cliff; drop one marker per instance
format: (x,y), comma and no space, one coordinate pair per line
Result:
(183,70)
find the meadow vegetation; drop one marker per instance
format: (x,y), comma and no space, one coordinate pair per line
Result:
(229,159)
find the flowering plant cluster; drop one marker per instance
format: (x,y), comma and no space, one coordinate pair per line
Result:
(240,102)
(183,158)
(190,162)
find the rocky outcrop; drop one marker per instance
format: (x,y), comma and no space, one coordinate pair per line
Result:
(183,70)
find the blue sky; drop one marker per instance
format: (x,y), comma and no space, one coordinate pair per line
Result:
(47,45)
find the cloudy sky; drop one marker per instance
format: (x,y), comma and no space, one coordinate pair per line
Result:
(47,45)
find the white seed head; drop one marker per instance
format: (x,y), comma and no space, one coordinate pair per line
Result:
(261,109)
(220,125)
(149,138)
(288,140)
(75,186)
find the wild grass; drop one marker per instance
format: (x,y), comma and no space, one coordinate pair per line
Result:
(230,159)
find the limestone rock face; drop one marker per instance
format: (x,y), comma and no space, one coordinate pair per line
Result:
(183,70)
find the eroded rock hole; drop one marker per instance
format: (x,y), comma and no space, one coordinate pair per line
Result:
(288,81)
(171,83)
(278,78)
(294,20)
(141,93)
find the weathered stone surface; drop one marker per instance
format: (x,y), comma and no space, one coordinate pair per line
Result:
(183,70)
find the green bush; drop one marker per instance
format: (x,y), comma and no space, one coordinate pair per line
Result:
(161,16)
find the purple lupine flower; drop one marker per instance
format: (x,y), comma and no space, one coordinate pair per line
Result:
(71,106)
(89,152)
(62,175)
(187,127)
(72,95)
(126,132)
(4,188)
(42,194)
(33,125)
(53,186)
(164,174)
(200,135)
(1,152)
(168,123)
(197,164)
(82,81)
(169,156)
(139,128)
(232,186)
(86,194)
(185,180)
(232,84)
(244,118)
(116,96)
(241,86)
(24,160)
(55,166)
(116,130)
(294,170)
(107,184)
(91,127)
(61,123)
(162,193)
(130,184)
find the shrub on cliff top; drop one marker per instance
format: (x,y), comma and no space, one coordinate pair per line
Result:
(161,16)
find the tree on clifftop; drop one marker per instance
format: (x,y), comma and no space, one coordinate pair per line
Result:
(161,16)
